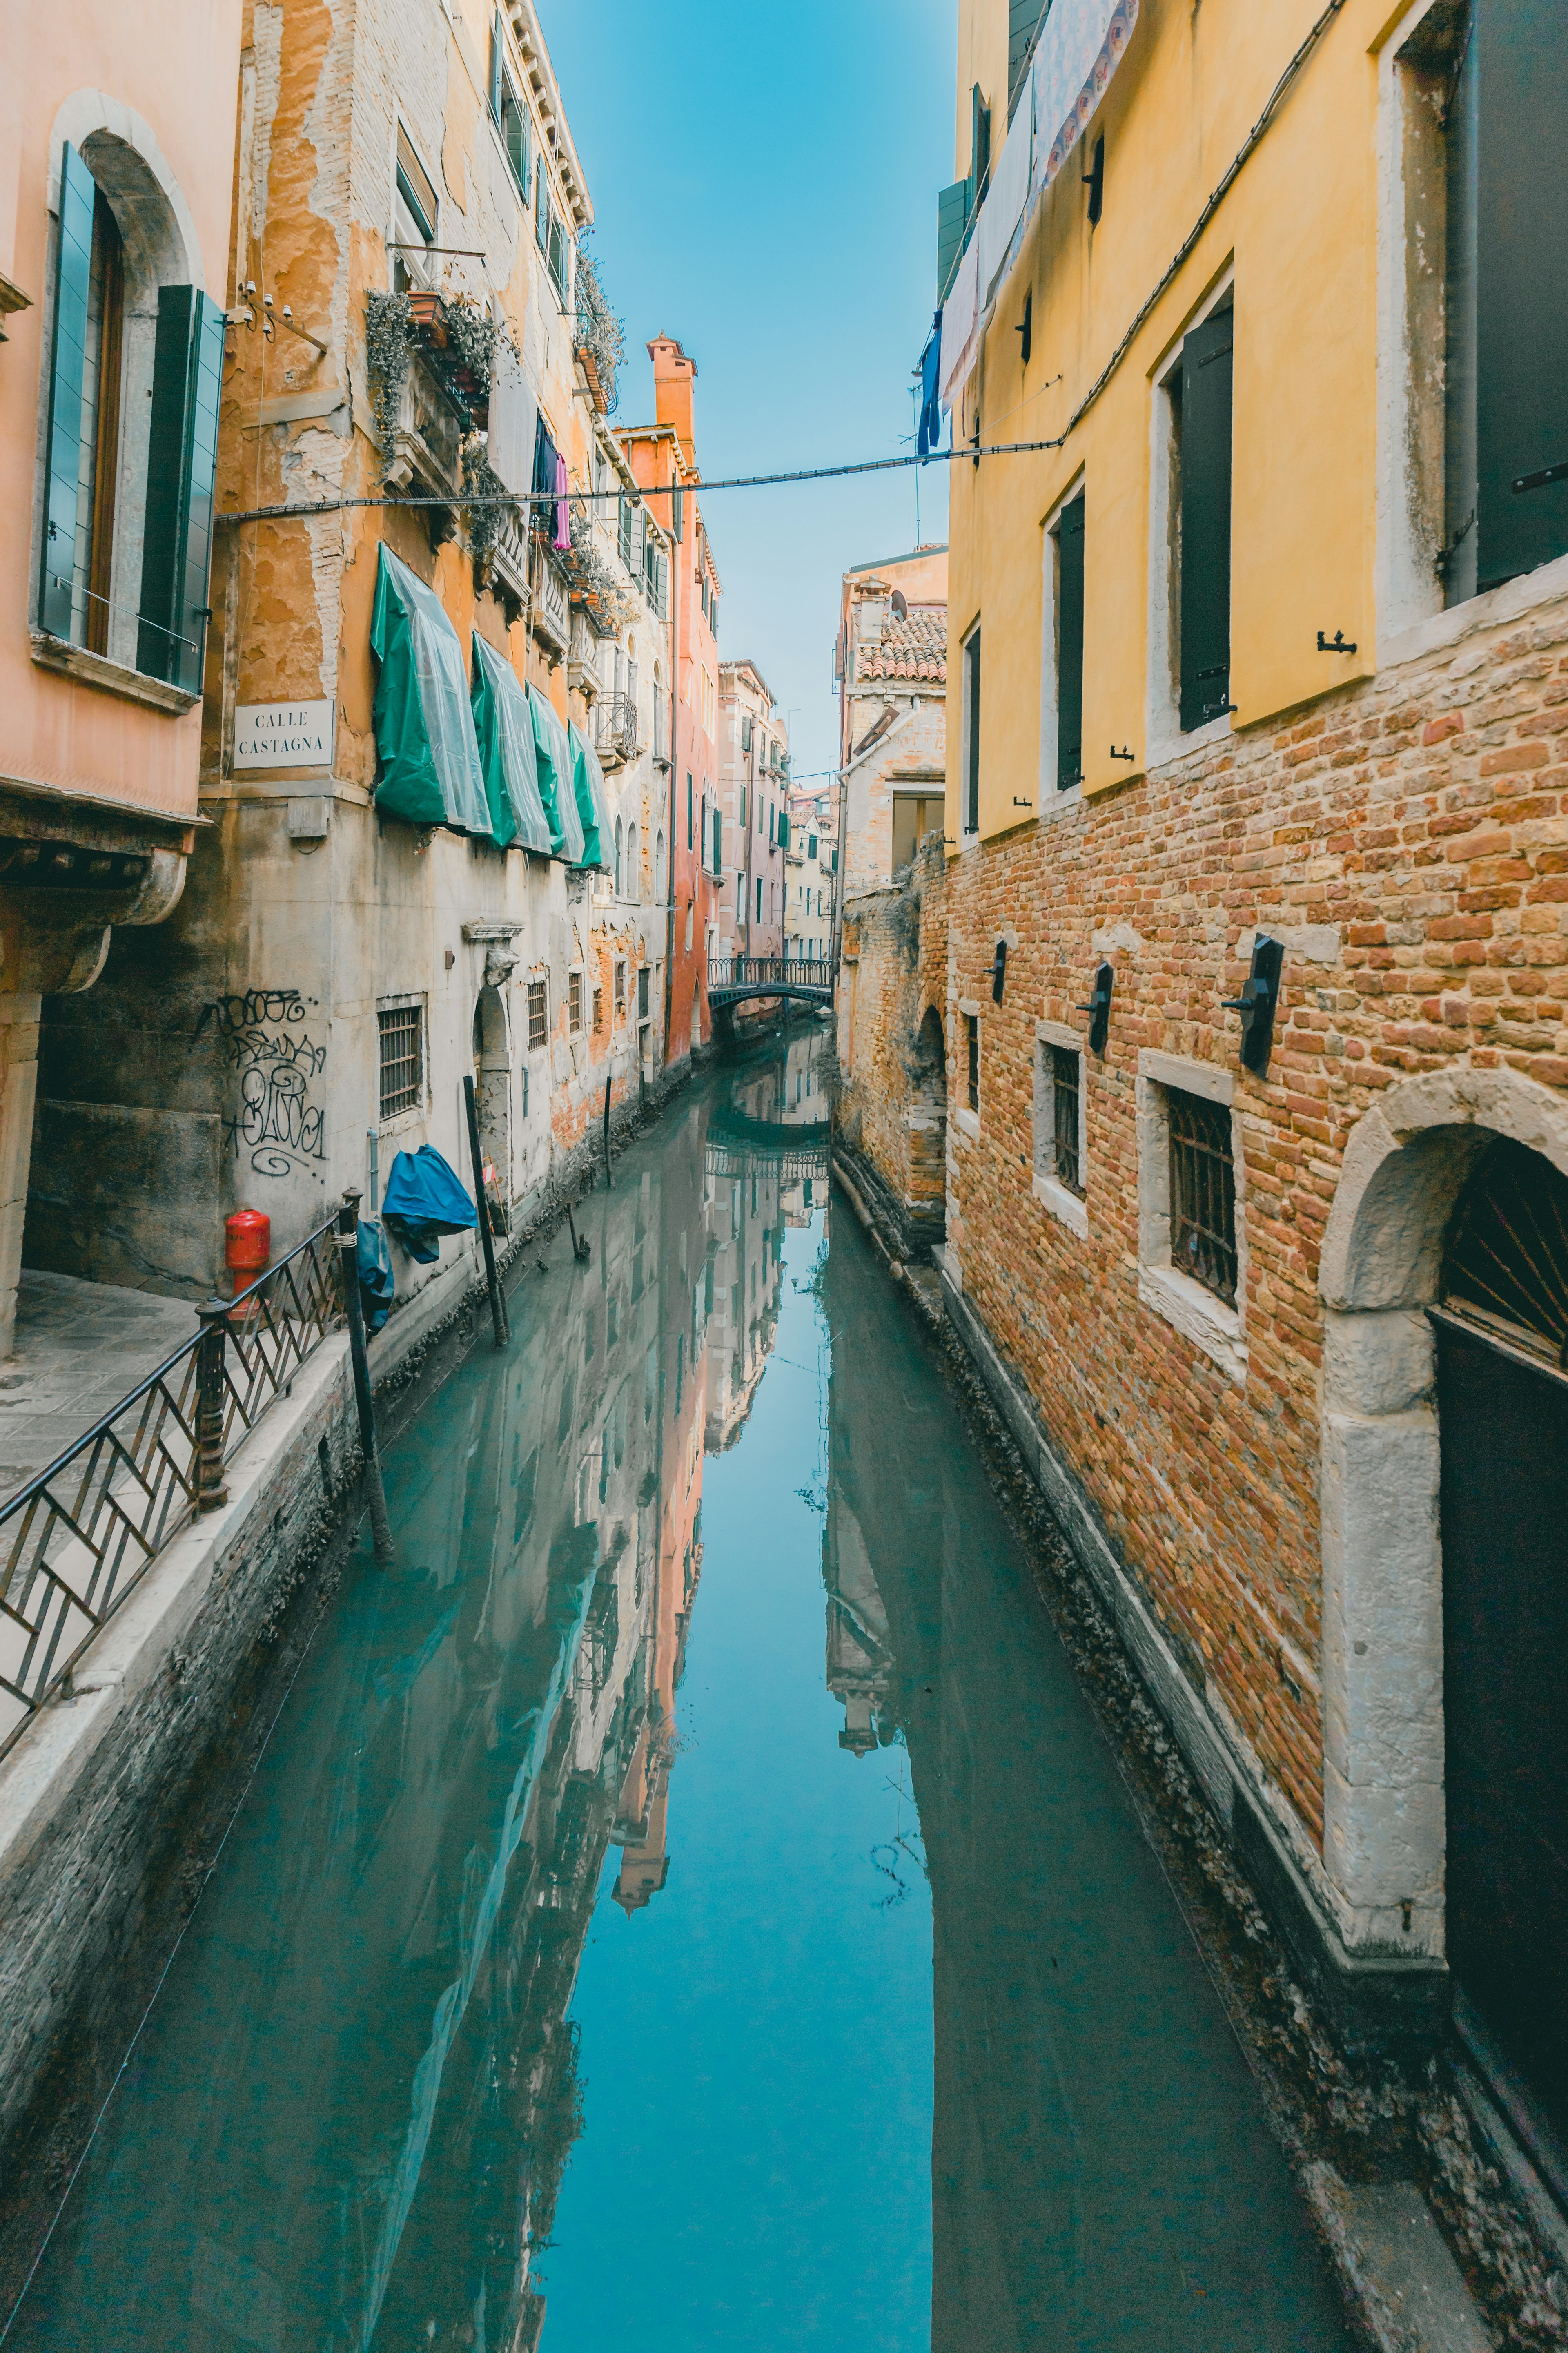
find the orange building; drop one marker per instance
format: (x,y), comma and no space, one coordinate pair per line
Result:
(663,458)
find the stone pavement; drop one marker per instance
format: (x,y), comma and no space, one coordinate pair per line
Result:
(79,1347)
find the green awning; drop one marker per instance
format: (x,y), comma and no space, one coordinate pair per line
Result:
(428,755)
(504,725)
(589,779)
(554,755)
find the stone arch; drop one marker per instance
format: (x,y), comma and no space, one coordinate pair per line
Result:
(1404,1167)
(926,1123)
(492,1081)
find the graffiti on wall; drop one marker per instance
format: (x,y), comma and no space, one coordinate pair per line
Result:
(266,1043)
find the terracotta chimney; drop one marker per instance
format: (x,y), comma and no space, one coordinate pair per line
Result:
(672,376)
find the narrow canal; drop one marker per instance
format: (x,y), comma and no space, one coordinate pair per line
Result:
(686,1902)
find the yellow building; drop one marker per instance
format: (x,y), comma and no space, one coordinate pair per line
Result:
(1258,653)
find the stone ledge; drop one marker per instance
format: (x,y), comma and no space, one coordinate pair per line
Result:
(115,677)
(1403,2281)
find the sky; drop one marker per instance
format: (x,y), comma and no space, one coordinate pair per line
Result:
(764,186)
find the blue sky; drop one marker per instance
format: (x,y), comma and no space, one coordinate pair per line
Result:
(765,185)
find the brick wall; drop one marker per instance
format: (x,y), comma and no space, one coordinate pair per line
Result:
(891,1117)
(1408,840)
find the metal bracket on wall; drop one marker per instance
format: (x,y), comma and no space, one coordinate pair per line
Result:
(1099,1008)
(1259,995)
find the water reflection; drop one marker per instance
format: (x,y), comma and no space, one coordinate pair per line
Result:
(359,2101)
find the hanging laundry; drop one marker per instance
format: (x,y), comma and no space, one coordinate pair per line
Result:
(376,1282)
(930,397)
(424,1200)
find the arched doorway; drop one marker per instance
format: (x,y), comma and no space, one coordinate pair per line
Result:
(926,1123)
(492,1085)
(1445,1561)
(1502,1411)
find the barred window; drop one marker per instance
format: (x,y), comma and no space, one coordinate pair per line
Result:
(644,976)
(1202,1193)
(574,1002)
(401,1028)
(1067,1081)
(972,1037)
(620,987)
(598,1009)
(538,1014)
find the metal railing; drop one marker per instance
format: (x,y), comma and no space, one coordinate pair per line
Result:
(77,1540)
(617,729)
(747,972)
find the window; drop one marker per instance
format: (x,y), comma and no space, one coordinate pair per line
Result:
(1200,396)
(511,115)
(415,191)
(598,1009)
(1068,604)
(1202,1193)
(1023,18)
(1067,1144)
(759,898)
(971,1052)
(658,866)
(811,845)
(691,834)
(575,1003)
(970,730)
(642,993)
(620,860)
(914,816)
(745,731)
(402,1041)
(620,987)
(538,1014)
(624,532)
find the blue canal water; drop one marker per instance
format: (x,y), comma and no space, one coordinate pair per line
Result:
(686,1902)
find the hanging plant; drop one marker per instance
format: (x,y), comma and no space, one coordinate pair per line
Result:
(482,482)
(600,336)
(389,341)
(593,582)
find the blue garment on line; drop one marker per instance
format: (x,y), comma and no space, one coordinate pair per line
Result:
(424,1200)
(931,403)
(376,1283)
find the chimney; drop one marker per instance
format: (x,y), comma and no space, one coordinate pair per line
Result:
(672,375)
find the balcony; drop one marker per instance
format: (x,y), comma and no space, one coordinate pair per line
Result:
(616,741)
(552,605)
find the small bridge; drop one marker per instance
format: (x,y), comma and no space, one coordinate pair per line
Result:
(731,979)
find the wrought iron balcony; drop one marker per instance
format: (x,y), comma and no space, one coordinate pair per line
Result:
(617,738)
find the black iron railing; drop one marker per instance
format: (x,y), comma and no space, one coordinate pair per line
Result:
(76,1541)
(747,972)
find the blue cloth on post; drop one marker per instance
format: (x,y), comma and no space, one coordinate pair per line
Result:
(376,1283)
(424,1200)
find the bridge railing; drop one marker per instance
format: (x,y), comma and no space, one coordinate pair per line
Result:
(748,971)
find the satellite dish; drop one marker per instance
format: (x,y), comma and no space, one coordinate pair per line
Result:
(901,605)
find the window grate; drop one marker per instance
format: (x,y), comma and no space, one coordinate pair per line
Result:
(620,988)
(1203,1194)
(642,992)
(1066,1081)
(574,1002)
(402,1057)
(538,1015)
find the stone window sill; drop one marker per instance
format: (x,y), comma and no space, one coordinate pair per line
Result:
(1196,739)
(1197,1315)
(967,1123)
(97,669)
(1062,1204)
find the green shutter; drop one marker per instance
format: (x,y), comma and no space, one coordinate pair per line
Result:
(718,841)
(182,462)
(495,65)
(1023,23)
(952,219)
(1069,646)
(979,144)
(1206,366)
(72,272)
(783,829)
(1521,255)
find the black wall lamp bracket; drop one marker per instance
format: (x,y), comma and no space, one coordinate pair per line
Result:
(1338,644)
(1124,755)
(1099,1008)
(1257,1001)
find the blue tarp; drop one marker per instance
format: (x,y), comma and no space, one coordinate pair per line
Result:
(376,1277)
(424,1200)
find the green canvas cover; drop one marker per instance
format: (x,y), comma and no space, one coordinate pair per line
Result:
(588,778)
(554,754)
(504,725)
(428,755)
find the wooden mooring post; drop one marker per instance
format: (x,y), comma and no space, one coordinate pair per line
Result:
(354,1308)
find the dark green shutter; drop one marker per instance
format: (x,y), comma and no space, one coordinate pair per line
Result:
(1023,23)
(979,144)
(182,462)
(1069,646)
(718,841)
(1521,272)
(1206,366)
(73,270)
(951,218)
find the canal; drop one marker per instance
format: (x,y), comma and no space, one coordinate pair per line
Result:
(686,1901)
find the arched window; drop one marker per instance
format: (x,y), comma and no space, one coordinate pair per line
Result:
(620,860)
(133,380)
(658,889)
(634,863)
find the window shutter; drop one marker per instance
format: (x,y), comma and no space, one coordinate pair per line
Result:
(979,144)
(663,584)
(1023,23)
(1522,251)
(182,461)
(745,731)
(1069,646)
(624,530)
(718,841)
(495,65)
(1207,367)
(78,190)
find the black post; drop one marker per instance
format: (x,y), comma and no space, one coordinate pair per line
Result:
(211,1493)
(498,1297)
(606,1132)
(353,1307)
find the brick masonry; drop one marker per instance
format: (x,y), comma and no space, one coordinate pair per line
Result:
(1407,839)
(892,1009)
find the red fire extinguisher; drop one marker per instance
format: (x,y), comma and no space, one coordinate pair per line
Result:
(246,1245)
